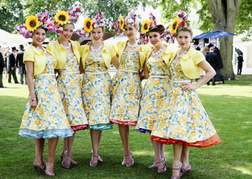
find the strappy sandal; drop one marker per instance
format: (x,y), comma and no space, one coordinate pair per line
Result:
(92,164)
(176,177)
(163,168)
(128,164)
(48,172)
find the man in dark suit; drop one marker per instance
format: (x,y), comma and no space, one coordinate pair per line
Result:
(196,46)
(11,66)
(20,65)
(1,69)
(240,61)
(212,59)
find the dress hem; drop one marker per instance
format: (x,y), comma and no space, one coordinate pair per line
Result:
(79,127)
(126,123)
(143,130)
(213,140)
(101,126)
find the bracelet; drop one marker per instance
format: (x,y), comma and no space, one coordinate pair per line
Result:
(33,100)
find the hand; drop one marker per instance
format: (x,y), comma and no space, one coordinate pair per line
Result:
(12,68)
(33,104)
(188,86)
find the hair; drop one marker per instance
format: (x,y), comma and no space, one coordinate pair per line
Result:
(67,24)
(187,29)
(159,28)
(40,27)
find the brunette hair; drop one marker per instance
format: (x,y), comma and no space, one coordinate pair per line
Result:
(159,28)
(187,29)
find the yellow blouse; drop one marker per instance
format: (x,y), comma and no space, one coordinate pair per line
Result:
(144,51)
(60,52)
(108,53)
(32,54)
(189,63)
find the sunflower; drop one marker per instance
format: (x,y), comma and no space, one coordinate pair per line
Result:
(32,23)
(88,26)
(121,23)
(62,17)
(174,26)
(146,26)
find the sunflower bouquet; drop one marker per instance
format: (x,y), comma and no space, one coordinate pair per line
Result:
(178,24)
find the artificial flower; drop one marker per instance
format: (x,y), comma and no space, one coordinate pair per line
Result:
(62,17)
(174,26)
(121,23)
(32,23)
(146,26)
(88,26)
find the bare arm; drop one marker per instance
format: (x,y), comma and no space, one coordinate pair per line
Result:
(115,62)
(29,71)
(210,72)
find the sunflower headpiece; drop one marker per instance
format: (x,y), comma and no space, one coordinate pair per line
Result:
(65,17)
(90,24)
(34,22)
(147,26)
(178,24)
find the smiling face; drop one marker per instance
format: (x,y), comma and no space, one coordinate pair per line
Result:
(67,32)
(184,38)
(155,38)
(131,32)
(38,37)
(97,34)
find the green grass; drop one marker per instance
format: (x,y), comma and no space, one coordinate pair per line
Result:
(228,105)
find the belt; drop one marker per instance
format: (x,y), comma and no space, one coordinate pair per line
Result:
(95,73)
(69,73)
(182,81)
(50,74)
(156,76)
(129,71)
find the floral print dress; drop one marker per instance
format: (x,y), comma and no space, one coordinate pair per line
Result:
(96,91)
(154,94)
(184,119)
(48,119)
(126,88)
(70,90)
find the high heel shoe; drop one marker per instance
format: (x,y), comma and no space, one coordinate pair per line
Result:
(92,164)
(161,169)
(128,164)
(179,176)
(39,166)
(62,155)
(188,170)
(99,157)
(154,165)
(48,172)
(64,163)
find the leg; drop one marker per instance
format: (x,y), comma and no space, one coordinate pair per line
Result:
(95,137)
(14,75)
(67,161)
(1,79)
(21,78)
(52,143)
(9,76)
(39,148)
(162,151)
(185,156)
(177,151)
(25,79)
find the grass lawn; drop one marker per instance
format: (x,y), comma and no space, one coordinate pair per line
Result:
(229,106)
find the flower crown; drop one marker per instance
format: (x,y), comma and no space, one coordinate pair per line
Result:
(120,25)
(147,26)
(62,18)
(178,24)
(34,22)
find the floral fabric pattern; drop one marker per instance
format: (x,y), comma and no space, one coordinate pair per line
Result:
(96,93)
(154,94)
(48,119)
(70,91)
(126,90)
(183,116)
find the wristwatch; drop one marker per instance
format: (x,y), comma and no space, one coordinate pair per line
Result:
(33,100)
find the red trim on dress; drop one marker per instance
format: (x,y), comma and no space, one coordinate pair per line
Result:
(214,140)
(126,123)
(79,127)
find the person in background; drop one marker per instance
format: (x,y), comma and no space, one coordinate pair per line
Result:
(20,65)
(5,56)
(1,69)
(11,66)
(240,61)
(196,46)
(211,58)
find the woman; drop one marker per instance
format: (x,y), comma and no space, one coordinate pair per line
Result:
(184,121)
(6,56)
(68,81)
(96,59)
(44,116)
(126,84)
(156,88)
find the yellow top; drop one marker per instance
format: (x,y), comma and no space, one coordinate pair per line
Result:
(189,63)
(108,52)
(38,57)
(144,51)
(60,52)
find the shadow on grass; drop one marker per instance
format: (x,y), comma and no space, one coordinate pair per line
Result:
(231,159)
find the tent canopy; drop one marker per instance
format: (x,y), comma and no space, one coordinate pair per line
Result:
(214,34)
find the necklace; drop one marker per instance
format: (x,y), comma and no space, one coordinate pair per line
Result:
(96,49)
(178,54)
(42,49)
(66,47)
(157,53)
(132,46)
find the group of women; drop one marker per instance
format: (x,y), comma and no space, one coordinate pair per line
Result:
(83,96)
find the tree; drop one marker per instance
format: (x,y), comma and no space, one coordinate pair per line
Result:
(214,15)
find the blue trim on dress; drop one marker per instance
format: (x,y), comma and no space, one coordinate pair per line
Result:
(54,133)
(101,127)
